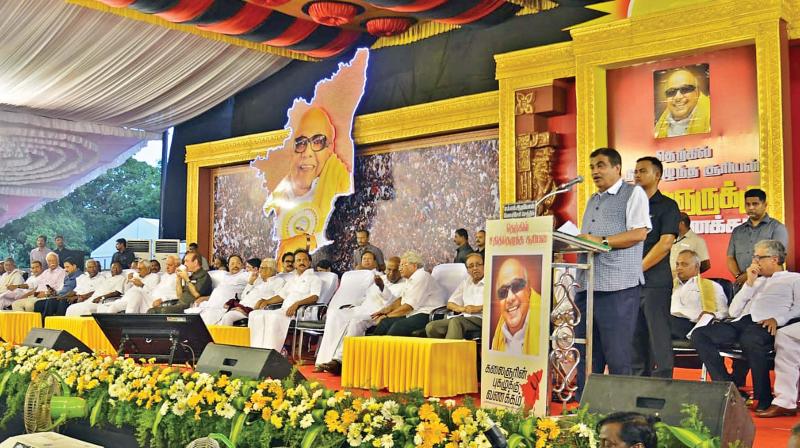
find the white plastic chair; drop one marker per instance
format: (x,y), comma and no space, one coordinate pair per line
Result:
(330,281)
(449,276)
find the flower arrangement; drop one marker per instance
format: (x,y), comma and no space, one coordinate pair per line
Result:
(169,407)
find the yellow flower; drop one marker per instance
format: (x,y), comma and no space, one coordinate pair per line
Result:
(348,417)
(276,421)
(459,414)
(266,414)
(332,421)
(427,412)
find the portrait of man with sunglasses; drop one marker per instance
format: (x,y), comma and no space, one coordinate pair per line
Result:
(517,331)
(687,109)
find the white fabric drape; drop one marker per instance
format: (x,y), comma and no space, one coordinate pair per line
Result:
(65,61)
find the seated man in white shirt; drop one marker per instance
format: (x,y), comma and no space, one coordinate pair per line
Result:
(142,282)
(355,317)
(693,296)
(467,299)
(107,287)
(86,284)
(50,279)
(411,312)
(8,283)
(262,284)
(231,283)
(26,290)
(138,300)
(268,328)
(769,298)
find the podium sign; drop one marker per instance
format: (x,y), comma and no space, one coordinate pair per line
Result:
(516,314)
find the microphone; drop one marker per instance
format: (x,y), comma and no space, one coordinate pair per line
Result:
(570,183)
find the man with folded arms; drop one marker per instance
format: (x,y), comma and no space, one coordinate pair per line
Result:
(467,299)
(138,300)
(191,283)
(262,284)
(422,295)
(144,281)
(108,286)
(693,296)
(354,318)
(268,328)
(8,283)
(26,293)
(769,298)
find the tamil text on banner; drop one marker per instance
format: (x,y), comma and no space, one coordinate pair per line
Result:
(516,313)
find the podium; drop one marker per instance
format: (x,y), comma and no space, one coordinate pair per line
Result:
(564,358)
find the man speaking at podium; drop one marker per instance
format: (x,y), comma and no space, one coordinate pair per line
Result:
(618,215)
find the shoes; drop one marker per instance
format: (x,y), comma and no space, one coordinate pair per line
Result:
(319,368)
(334,367)
(776,411)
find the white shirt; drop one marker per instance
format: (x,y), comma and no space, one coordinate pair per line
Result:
(515,342)
(423,293)
(637,210)
(32,282)
(108,285)
(262,290)
(299,287)
(150,281)
(53,278)
(229,285)
(165,290)
(686,300)
(377,298)
(10,278)
(86,284)
(776,297)
(468,293)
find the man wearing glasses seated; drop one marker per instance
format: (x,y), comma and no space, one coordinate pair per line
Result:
(467,300)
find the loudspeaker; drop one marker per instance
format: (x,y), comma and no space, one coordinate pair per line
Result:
(721,406)
(54,339)
(256,363)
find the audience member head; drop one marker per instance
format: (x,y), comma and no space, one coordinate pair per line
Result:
(687,265)
(287,261)
(268,268)
(219,263)
(606,167)
(52,260)
(475,266)
(172,264)
(70,266)
(362,237)
(59,242)
(134,265)
(794,440)
(324,265)
(192,262)
(116,268)
(9,265)
(41,240)
(253,264)
(235,264)
(92,267)
(769,256)
(513,291)
(36,267)
(121,244)
(480,239)
(302,261)
(192,247)
(409,263)
(755,203)
(461,237)
(685,224)
(368,261)
(143,268)
(155,266)
(648,172)
(627,430)
(393,269)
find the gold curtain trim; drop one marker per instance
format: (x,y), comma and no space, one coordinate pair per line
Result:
(155,20)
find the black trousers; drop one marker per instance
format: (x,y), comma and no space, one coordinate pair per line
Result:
(680,327)
(756,343)
(51,307)
(652,340)
(401,326)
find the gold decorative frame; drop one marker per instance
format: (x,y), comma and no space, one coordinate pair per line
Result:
(706,26)
(460,114)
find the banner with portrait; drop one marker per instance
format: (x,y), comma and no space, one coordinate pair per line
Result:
(516,314)
(698,114)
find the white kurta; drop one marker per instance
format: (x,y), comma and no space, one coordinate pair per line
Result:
(138,301)
(150,281)
(268,328)
(686,300)
(10,278)
(356,320)
(251,295)
(84,285)
(229,286)
(787,366)
(105,285)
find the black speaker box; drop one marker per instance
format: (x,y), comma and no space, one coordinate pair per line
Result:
(721,406)
(54,339)
(247,362)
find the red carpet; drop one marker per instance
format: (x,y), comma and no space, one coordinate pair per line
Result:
(770,433)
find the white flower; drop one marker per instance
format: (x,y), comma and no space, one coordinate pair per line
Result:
(331,402)
(387,441)
(450,403)
(164,408)
(583,431)
(434,399)
(307,421)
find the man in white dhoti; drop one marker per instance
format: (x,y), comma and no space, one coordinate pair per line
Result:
(108,287)
(268,328)
(787,373)
(8,283)
(354,318)
(231,283)
(138,300)
(143,280)
(25,292)
(263,284)
(89,282)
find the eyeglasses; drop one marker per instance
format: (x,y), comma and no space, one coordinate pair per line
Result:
(761,257)
(318,143)
(474,265)
(516,285)
(685,90)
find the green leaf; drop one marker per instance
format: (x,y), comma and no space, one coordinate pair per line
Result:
(516,441)
(155,424)
(310,436)
(95,414)
(238,424)
(686,436)
(4,381)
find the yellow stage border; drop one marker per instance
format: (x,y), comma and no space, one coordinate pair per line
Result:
(466,113)
(707,26)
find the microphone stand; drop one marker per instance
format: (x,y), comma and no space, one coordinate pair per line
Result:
(547,196)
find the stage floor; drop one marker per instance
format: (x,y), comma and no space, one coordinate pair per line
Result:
(770,432)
